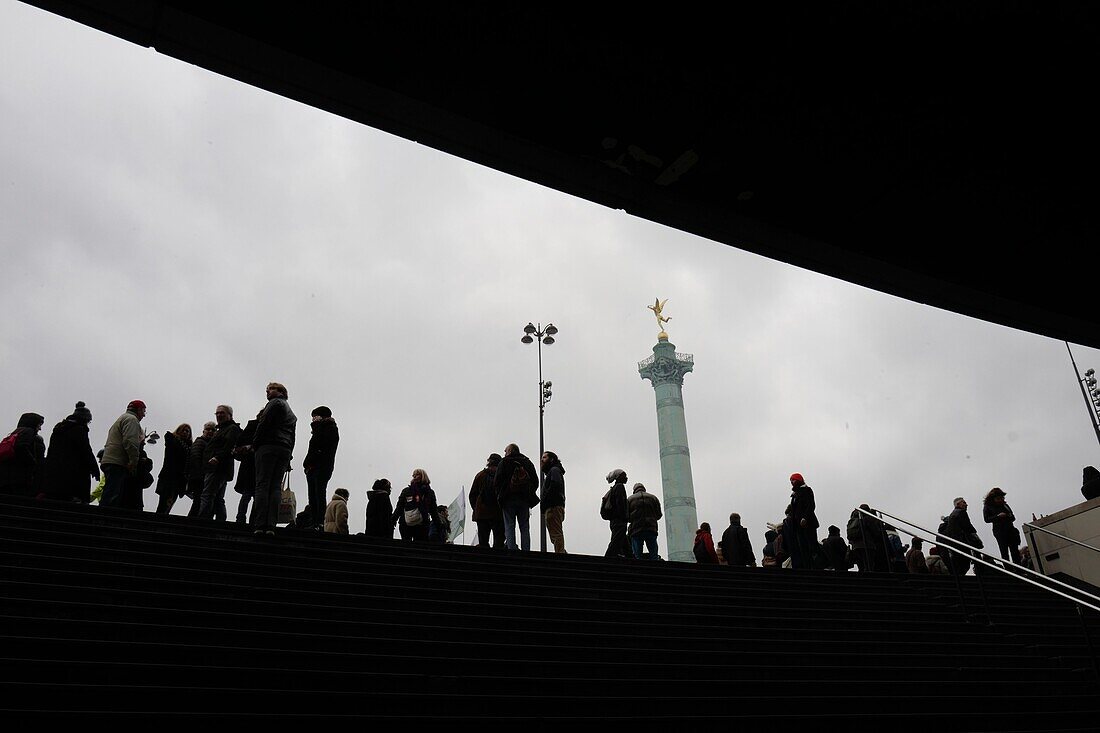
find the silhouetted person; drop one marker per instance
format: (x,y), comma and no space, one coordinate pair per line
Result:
(245,485)
(320,459)
(122,451)
(1090,483)
(380,510)
(516,486)
(773,555)
(617,516)
(196,467)
(996,512)
(219,464)
(800,535)
(336,513)
(644,509)
(272,447)
(553,499)
(22,472)
(70,461)
(172,479)
(959,527)
(736,548)
(703,547)
(836,550)
(915,562)
(415,508)
(486,511)
(866,533)
(135,484)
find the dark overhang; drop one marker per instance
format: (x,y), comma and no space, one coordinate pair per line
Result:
(944,152)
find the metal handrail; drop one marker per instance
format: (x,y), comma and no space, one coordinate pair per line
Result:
(1062,537)
(940,538)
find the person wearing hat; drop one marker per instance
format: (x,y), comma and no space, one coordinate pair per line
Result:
(800,527)
(617,516)
(487,513)
(70,460)
(320,460)
(122,452)
(380,510)
(644,510)
(996,512)
(22,471)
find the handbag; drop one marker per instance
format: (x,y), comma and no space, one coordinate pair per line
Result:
(288,504)
(413,517)
(974,540)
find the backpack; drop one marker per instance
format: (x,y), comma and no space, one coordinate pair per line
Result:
(7,446)
(700,550)
(855,528)
(605,506)
(519,482)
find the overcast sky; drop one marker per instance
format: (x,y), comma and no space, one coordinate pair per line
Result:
(182,238)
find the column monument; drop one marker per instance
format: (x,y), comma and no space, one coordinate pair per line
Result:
(666,370)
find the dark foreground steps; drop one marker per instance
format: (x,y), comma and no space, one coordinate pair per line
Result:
(107,614)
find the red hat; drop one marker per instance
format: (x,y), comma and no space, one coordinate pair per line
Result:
(135,405)
(797,477)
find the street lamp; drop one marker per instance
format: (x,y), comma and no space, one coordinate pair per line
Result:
(1090,392)
(532,333)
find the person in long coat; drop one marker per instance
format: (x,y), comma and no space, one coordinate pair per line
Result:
(996,512)
(246,473)
(380,510)
(800,528)
(172,479)
(196,468)
(23,473)
(487,513)
(70,460)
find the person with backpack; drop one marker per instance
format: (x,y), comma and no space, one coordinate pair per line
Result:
(70,461)
(516,485)
(704,546)
(23,457)
(483,498)
(380,510)
(644,509)
(868,544)
(613,508)
(415,508)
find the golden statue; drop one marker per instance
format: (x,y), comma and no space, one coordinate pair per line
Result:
(657,307)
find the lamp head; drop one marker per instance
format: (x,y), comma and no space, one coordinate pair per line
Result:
(529,329)
(527,339)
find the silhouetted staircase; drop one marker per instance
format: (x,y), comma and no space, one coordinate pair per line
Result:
(116,614)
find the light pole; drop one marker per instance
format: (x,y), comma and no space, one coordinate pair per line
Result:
(1088,381)
(543,336)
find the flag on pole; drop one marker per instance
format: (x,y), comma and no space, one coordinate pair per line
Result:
(456,514)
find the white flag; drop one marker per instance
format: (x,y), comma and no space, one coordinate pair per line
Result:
(456,513)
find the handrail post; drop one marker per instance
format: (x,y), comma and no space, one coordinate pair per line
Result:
(1088,640)
(863,535)
(985,600)
(958,583)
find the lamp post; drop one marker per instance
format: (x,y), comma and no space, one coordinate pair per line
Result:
(543,336)
(1088,390)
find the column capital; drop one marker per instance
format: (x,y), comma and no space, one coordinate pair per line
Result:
(666,366)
